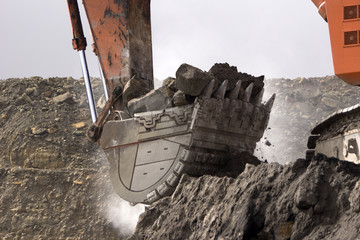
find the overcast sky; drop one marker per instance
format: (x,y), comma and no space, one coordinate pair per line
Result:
(279,38)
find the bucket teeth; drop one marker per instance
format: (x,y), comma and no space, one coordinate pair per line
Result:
(270,103)
(234,94)
(209,89)
(220,93)
(248,92)
(258,98)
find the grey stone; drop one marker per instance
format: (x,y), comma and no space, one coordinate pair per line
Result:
(156,99)
(191,80)
(66,97)
(23,99)
(134,88)
(170,85)
(101,102)
(179,99)
(170,81)
(305,197)
(355,198)
(38,130)
(329,102)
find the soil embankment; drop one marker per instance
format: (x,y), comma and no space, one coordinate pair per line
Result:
(54,183)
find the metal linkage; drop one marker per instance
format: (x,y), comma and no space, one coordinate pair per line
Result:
(88,87)
(94,131)
(79,44)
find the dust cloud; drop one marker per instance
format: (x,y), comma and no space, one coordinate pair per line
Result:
(122,215)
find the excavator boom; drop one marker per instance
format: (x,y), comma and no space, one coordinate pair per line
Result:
(121,31)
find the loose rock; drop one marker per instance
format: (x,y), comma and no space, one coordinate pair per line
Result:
(191,80)
(155,100)
(134,88)
(179,99)
(79,125)
(66,97)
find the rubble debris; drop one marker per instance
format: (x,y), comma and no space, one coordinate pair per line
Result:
(191,82)
(134,88)
(33,183)
(302,200)
(223,71)
(66,97)
(170,83)
(180,99)
(156,99)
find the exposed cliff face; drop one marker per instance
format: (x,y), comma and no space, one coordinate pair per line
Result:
(316,199)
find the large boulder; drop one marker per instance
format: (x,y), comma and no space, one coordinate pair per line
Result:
(191,80)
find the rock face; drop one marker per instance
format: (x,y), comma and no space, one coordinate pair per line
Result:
(54,183)
(316,199)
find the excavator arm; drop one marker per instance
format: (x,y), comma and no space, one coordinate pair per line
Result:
(321,5)
(121,32)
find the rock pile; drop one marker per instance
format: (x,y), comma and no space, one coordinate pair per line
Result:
(190,82)
(316,199)
(300,104)
(54,183)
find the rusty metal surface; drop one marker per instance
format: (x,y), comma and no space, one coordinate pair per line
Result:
(78,41)
(121,31)
(94,131)
(321,5)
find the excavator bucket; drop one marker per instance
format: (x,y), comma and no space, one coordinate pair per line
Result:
(150,151)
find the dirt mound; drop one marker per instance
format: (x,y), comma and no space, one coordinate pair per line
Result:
(316,199)
(54,183)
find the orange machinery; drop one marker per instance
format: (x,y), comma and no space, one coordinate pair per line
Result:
(121,31)
(343,17)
